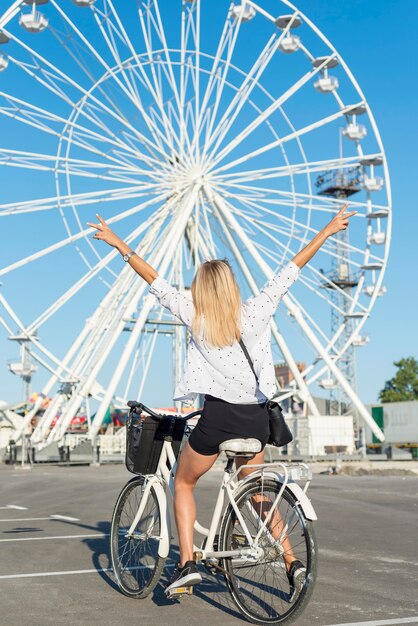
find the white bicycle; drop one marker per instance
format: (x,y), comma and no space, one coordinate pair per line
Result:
(267,518)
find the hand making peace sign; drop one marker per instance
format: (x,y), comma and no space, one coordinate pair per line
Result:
(105,233)
(339,221)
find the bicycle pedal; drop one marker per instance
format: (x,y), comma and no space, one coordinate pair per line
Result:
(179,591)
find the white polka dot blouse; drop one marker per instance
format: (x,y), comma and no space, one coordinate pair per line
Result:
(225,372)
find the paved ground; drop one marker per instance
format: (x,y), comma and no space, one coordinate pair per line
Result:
(56,571)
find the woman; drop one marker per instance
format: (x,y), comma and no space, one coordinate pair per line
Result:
(216,366)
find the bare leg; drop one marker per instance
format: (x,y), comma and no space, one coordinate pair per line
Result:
(262,505)
(191,467)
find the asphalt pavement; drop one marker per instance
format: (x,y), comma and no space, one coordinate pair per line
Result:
(56,570)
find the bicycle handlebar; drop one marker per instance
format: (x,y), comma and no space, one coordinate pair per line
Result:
(133,405)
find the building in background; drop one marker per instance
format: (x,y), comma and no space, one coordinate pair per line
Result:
(399,422)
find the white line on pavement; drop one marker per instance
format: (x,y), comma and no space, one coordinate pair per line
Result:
(383,622)
(76,571)
(56,537)
(25,519)
(14,506)
(64,518)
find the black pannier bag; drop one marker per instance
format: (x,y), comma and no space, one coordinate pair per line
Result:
(144,441)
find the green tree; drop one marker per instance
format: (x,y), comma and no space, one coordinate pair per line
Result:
(404,385)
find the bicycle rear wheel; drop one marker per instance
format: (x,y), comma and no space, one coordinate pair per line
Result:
(260,588)
(135,560)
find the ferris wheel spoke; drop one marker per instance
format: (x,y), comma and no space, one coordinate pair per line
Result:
(260,227)
(90,274)
(24,335)
(327,248)
(310,319)
(306,281)
(79,61)
(186,70)
(184,135)
(35,116)
(31,115)
(193,245)
(215,71)
(61,77)
(326,204)
(242,94)
(224,68)
(226,124)
(77,236)
(81,199)
(312,285)
(125,89)
(102,323)
(168,68)
(143,378)
(307,167)
(244,91)
(278,142)
(206,231)
(67,165)
(209,230)
(103,18)
(262,211)
(105,317)
(157,88)
(197,110)
(192,235)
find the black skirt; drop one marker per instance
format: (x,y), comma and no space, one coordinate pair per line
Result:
(222,420)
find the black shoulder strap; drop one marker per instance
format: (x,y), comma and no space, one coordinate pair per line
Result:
(245,351)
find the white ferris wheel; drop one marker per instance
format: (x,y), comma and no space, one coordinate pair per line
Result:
(198,130)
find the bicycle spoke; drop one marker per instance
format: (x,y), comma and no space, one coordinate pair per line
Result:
(135,555)
(261,588)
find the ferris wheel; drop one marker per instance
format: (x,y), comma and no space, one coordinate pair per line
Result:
(198,130)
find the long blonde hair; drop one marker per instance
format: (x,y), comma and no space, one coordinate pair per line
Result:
(217,304)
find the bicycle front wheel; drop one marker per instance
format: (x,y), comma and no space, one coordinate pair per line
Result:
(260,586)
(135,560)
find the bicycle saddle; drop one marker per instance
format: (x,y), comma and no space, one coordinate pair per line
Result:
(246,448)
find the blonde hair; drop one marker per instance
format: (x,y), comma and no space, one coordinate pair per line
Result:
(217,304)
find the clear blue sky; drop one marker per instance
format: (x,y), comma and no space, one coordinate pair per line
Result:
(376,41)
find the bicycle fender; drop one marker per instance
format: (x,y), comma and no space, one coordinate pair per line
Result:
(305,502)
(164,544)
(297,491)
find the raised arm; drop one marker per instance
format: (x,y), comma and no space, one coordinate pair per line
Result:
(180,304)
(338,222)
(138,264)
(263,305)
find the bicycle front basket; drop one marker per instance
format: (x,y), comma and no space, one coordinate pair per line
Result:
(144,442)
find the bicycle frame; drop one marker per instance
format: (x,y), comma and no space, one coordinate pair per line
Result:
(164,476)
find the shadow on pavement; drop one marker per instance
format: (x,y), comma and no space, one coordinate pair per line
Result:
(100,548)
(212,589)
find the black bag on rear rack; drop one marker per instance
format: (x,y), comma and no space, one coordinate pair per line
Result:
(144,441)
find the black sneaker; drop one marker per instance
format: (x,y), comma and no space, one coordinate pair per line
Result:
(184,576)
(296,577)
